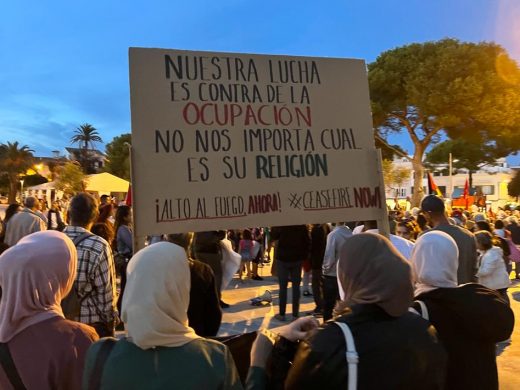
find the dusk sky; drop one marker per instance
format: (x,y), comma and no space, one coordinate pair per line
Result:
(65,63)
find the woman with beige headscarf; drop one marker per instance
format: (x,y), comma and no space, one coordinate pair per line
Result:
(161,350)
(396,349)
(45,350)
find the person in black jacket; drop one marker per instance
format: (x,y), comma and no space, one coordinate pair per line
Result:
(291,250)
(470,318)
(206,249)
(396,349)
(319,234)
(204,312)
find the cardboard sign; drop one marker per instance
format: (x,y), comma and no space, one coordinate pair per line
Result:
(226,140)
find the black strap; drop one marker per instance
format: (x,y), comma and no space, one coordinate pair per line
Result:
(10,368)
(97,372)
(81,237)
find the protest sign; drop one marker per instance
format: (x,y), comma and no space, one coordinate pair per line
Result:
(226,140)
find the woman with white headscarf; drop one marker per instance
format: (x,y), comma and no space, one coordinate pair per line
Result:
(40,348)
(396,349)
(469,318)
(161,350)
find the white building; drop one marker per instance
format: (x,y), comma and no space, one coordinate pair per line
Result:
(490,181)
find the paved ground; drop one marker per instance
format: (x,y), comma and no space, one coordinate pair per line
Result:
(509,353)
(241,317)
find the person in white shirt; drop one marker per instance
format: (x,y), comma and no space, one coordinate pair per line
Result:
(403,246)
(25,222)
(335,240)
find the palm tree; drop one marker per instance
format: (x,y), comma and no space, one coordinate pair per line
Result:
(14,161)
(85,136)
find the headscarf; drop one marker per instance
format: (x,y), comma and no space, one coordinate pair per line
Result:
(371,271)
(157,296)
(435,259)
(35,275)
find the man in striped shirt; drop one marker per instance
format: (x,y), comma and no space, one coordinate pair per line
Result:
(96,280)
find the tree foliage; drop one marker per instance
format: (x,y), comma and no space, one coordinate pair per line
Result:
(513,187)
(85,136)
(395,176)
(14,162)
(118,156)
(465,154)
(70,179)
(464,90)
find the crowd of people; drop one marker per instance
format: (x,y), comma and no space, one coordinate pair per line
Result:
(423,308)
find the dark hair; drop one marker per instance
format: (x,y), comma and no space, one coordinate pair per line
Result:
(432,204)
(422,222)
(485,239)
(122,213)
(499,224)
(104,213)
(246,235)
(83,209)
(483,225)
(11,210)
(181,239)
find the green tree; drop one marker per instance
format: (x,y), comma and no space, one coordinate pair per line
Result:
(513,187)
(464,90)
(467,155)
(85,136)
(70,179)
(395,176)
(118,156)
(14,162)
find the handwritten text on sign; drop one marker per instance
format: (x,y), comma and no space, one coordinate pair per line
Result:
(234,140)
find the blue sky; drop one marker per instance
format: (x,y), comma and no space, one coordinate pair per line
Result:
(65,63)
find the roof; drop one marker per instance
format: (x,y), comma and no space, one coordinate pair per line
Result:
(104,183)
(92,151)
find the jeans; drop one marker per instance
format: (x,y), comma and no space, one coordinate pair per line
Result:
(289,271)
(330,295)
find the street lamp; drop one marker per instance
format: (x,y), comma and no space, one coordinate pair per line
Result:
(451,161)
(21,190)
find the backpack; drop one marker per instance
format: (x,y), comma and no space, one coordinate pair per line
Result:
(71,304)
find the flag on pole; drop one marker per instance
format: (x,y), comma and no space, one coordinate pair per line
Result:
(432,187)
(128,198)
(465,194)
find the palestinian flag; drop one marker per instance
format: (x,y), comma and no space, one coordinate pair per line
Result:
(432,187)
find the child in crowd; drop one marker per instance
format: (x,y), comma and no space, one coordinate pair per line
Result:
(492,271)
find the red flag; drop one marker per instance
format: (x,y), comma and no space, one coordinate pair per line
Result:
(465,194)
(432,187)
(128,198)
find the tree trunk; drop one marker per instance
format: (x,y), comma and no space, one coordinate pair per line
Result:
(13,188)
(418,174)
(470,181)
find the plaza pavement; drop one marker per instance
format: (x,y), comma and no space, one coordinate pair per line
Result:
(241,317)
